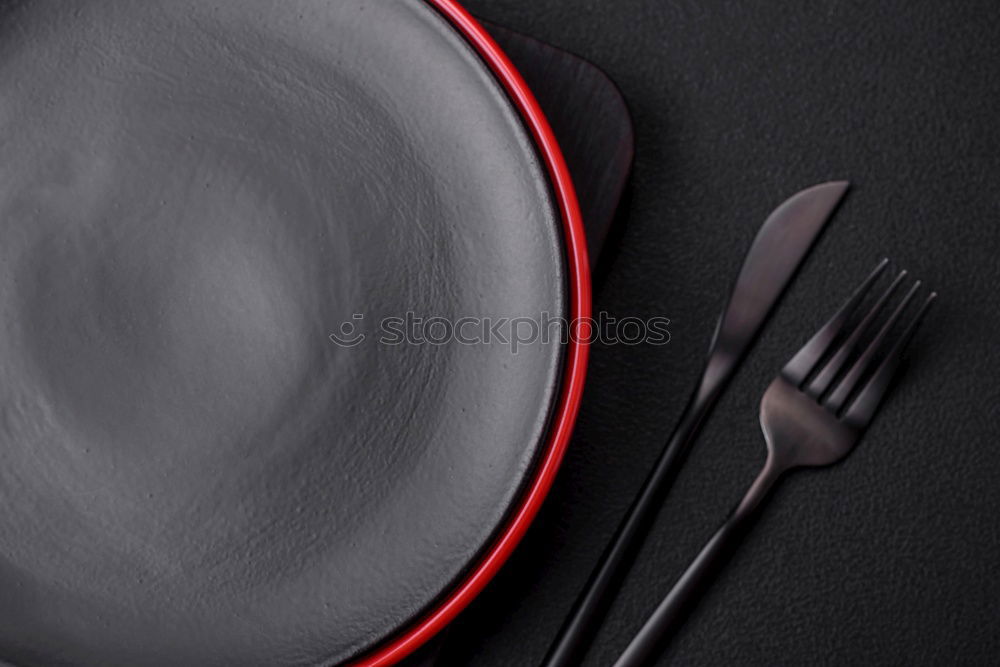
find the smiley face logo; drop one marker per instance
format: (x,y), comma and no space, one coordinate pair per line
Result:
(348,335)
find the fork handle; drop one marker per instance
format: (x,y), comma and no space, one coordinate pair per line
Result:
(682,597)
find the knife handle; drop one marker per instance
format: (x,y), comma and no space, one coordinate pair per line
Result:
(574,638)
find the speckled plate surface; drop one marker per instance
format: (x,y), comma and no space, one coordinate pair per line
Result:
(195,196)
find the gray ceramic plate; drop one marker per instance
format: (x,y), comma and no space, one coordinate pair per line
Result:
(194,196)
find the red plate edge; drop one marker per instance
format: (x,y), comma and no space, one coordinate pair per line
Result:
(575,368)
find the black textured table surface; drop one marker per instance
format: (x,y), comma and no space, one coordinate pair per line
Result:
(892,557)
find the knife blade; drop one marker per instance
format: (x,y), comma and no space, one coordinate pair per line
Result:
(777,251)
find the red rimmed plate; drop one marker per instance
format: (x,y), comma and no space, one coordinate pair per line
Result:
(195,471)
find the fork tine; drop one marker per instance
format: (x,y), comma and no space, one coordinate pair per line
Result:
(822,381)
(799,366)
(859,414)
(835,401)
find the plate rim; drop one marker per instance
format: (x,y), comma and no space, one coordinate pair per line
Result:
(563,419)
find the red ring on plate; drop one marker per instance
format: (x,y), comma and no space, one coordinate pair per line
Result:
(575,368)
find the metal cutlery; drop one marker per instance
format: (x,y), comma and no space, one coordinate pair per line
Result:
(812,414)
(776,252)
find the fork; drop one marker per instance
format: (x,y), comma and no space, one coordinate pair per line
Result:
(812,414)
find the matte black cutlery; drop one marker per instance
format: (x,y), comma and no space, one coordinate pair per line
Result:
(778,249)
(812,414)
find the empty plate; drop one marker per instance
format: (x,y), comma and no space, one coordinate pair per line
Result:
(215,448)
